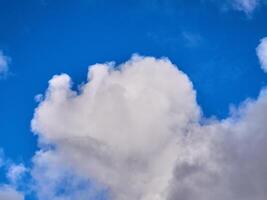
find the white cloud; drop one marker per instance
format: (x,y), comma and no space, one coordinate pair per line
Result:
(122,125)
(136,131)
(4,60)
(9,193)
(262,53)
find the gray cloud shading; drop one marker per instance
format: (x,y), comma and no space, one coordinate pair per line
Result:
(9,193)
(238,156)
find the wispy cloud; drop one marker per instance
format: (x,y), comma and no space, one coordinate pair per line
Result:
(4,64)
(192,39)
(247,6)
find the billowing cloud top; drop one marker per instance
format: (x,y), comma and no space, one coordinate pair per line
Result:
(122,125)
(133,131)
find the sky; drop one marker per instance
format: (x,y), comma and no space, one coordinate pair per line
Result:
(133,100)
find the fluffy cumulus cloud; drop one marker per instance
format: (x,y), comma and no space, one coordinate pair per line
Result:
(4,60)
(135,131)
(121,126)
(262,53)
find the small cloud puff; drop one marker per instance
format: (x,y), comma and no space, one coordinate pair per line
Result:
(262,53)
(15,172)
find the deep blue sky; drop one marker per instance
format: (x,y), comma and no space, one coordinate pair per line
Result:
(215,48)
